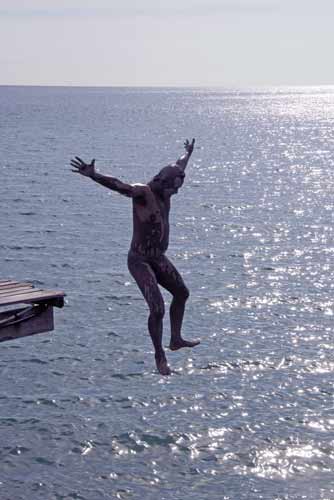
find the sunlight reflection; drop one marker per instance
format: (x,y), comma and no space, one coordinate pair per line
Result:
(285,461)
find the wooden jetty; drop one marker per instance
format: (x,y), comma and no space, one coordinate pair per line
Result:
(36,315)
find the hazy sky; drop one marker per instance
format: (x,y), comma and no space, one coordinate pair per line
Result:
(170,42)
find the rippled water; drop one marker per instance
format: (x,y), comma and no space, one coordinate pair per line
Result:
(249,413)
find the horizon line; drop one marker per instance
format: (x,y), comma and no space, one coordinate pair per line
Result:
(213,86)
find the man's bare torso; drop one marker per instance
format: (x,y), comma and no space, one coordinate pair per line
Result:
(150,223)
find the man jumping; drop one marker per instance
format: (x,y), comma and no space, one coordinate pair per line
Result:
(147,261)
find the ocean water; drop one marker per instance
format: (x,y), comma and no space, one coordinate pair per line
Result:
(248,414)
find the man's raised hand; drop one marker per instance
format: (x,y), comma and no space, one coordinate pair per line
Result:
(86,169)
(189,146)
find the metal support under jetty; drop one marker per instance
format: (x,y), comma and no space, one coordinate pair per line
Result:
(36,316)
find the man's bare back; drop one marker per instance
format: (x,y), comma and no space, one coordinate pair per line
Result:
(147,261)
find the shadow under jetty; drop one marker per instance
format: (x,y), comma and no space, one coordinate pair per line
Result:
(35,314)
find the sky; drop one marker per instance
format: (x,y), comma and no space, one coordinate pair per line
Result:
(166,43)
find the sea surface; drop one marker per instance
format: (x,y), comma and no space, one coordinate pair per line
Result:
(248,414)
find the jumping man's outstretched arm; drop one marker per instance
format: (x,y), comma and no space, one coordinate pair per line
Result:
(88,170)
(183,160)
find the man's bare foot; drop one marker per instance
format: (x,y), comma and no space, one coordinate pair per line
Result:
(162,366)
(178,344)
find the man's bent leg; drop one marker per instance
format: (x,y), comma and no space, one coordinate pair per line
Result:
(147,283)
(176,314)
(168,277)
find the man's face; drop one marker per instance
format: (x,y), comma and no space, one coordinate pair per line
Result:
(169,180)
